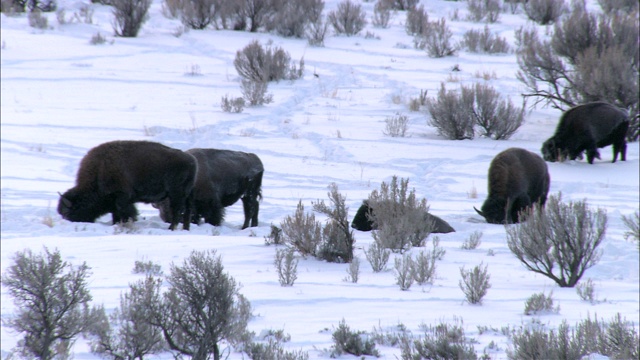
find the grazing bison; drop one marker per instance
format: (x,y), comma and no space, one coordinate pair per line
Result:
(517,179)
(362,221)
(115,175)
(224,176)
(586,128)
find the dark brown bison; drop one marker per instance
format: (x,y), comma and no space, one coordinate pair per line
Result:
(362,220)
(517,179)
(115,175)
(224,176)
(586,128)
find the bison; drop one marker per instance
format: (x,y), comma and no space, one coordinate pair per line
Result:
(224,176)
(115,175)
(362,220)
(517,179)
(588,127)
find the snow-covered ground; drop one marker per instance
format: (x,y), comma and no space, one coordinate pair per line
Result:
(61,96)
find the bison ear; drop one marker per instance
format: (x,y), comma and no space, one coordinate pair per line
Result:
(479,212)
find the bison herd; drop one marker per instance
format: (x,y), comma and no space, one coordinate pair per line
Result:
(198,184)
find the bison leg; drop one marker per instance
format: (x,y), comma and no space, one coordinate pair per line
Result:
(251,208)
(123,210)
(177,206)
(214,214)
(620,142)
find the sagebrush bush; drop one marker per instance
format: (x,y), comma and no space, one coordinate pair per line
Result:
(417,22)
(316,31)
(290,18)
(52,303)
(287,266)
(443,341)
(559,241)
(232,105)
(415,104)
(272,350)
(616,339)
(259,63)
(450,113)
(127,333)
(396,126)
(353,271)
(627,6)
(544,12)
(538,303)
(197,14)
(97,39)
(403,271)
(484,41)
(436,40)
(302,231)
(588,58)
(348,19)
(377,254)
(398,216)
(488,10)
(274,237)
(586,291)
(474,283)
(129,15)
(632,222)
(424,267)
(338,240)
(37,20)
(352,342)
(255,92)
(147,267)
(381,15)
(403,5)
(473,241)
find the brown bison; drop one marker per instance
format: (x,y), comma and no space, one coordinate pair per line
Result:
(517,179)
(363,220)
(115,175)
(586,128)
(224,177)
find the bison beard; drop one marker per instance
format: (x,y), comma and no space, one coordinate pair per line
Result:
(588,127)
(115,175)
(224,177)
(517,179)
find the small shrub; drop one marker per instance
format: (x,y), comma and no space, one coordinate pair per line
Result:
(51,298)
(560,241)
(232,105)
(474,283)
(544,12)
(497,118)
(616,339)
(632,222)
(287,266)
(403,271)
(586,291)
(316,32)
(129,15)
(424,268)
(417,22)
(438,251)
(274,350)
(349,18)
(484,41)
(37,20)
(338,240)
(415,104)
(275,236)
(399,216)
(263,64)
(473,241)
(302,231)
(290,18)
(381,15)
(197,14)
(627,6)
(255,92)
(450,113)
(353,271)
(488,10)
(396,126)
(538,303)
(437,40)
(97,39)
(147,268)
(443,341)
(352,342)
(377,255)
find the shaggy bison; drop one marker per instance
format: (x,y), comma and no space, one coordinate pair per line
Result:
(517,179)
(224,176)
(586,128)
(362,221)
(115,175)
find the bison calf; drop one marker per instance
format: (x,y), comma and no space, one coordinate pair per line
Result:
(517,179)
(586,128)
(362,221)
(224,177)
(115,175)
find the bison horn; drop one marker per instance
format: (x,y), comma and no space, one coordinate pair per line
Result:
(479,212)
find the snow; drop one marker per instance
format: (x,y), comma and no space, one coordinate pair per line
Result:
(61,96)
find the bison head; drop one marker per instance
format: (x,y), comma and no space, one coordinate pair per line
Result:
(80,206)
(496,211)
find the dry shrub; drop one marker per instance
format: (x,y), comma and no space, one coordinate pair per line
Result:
(348,19)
